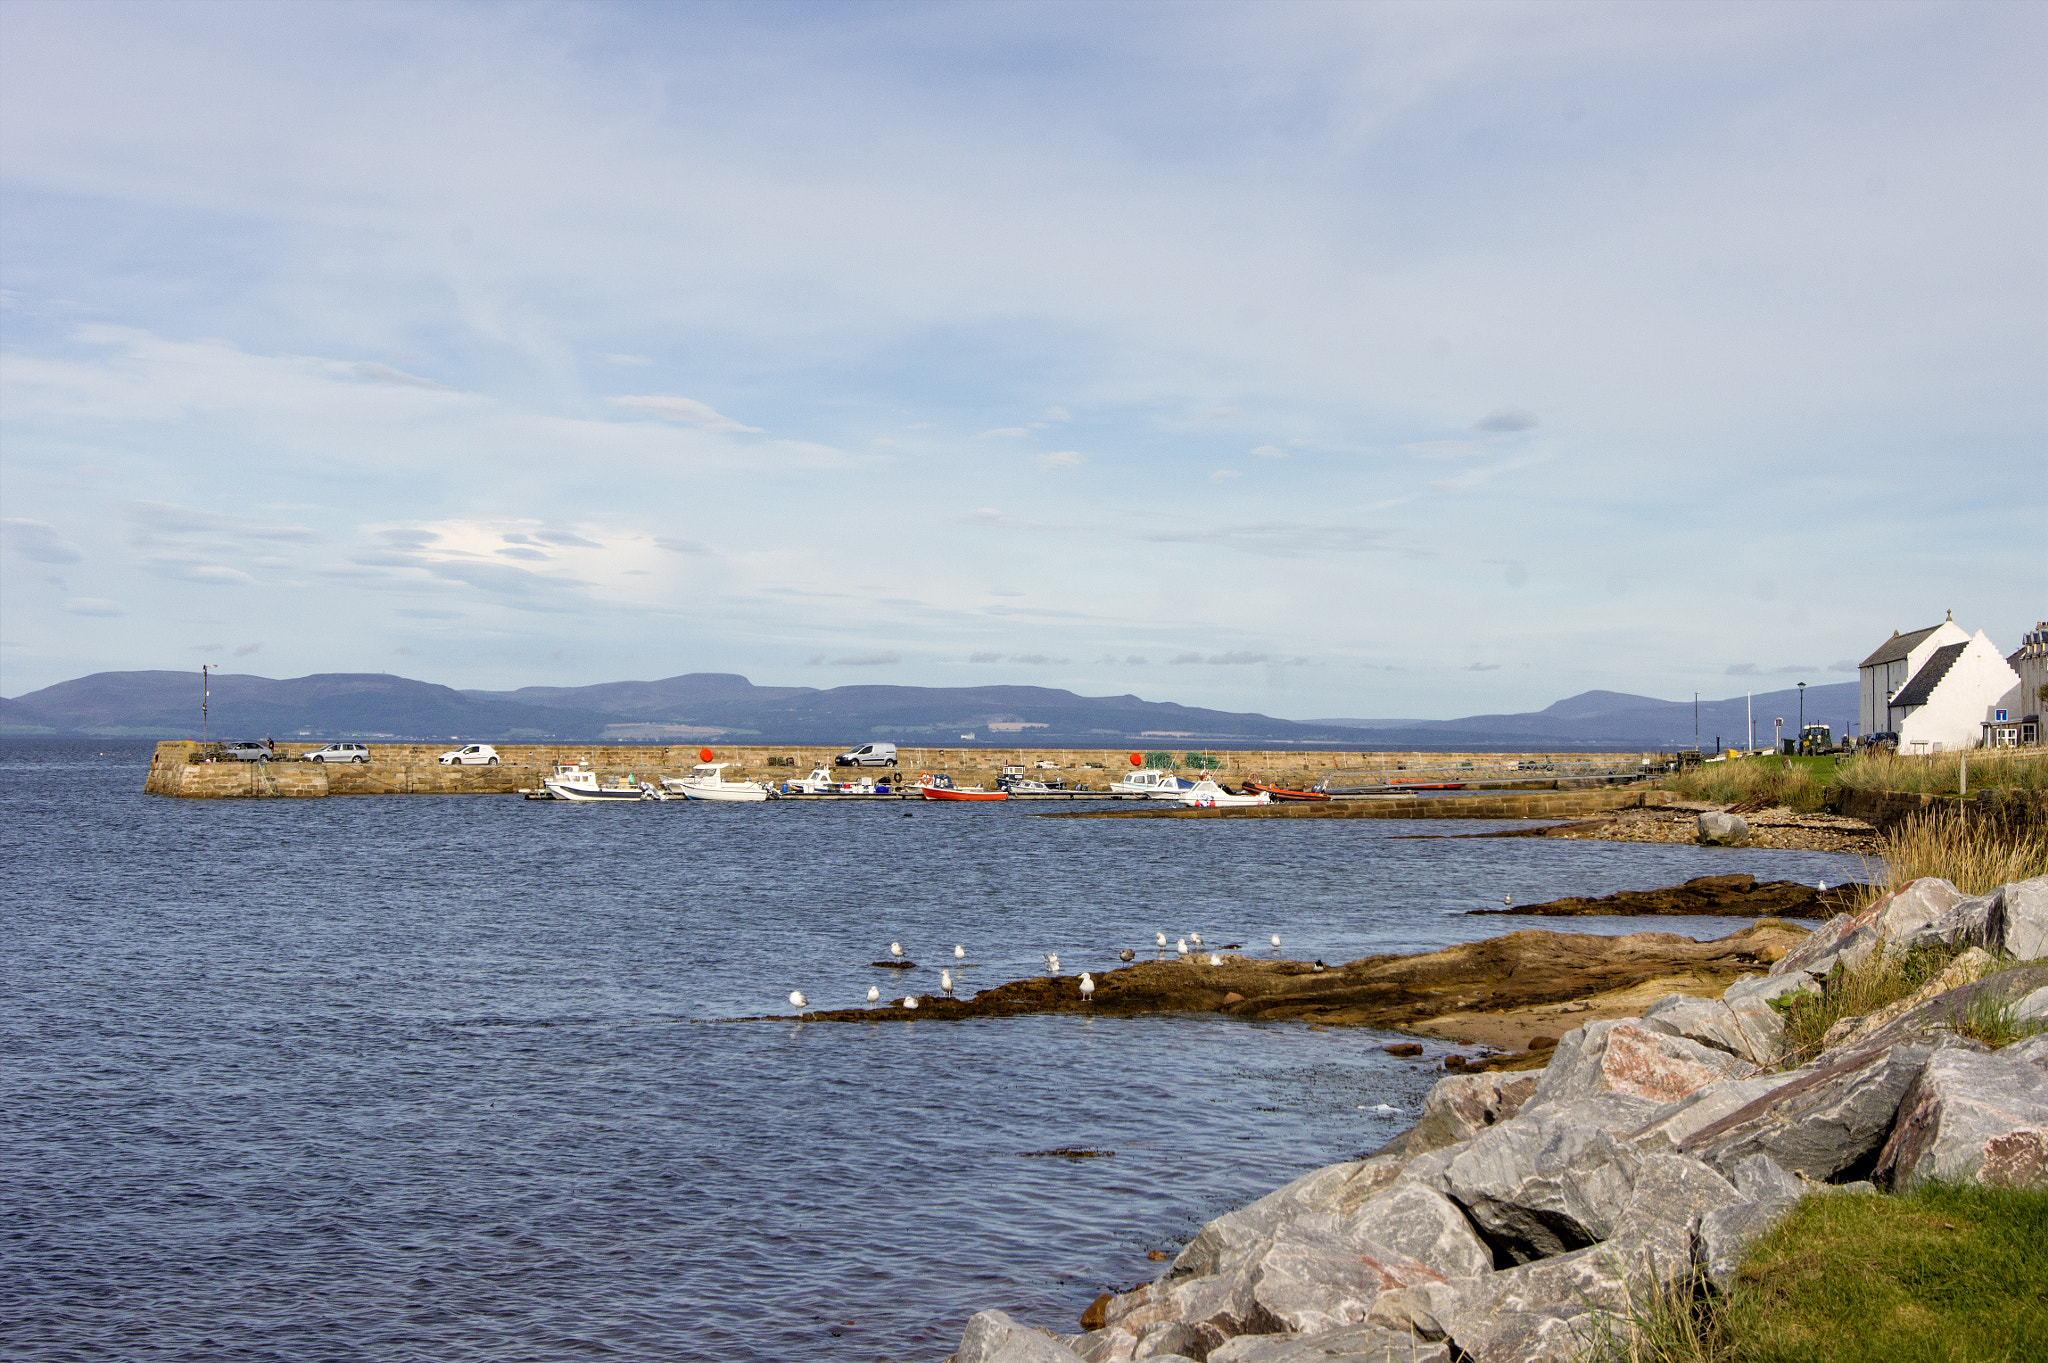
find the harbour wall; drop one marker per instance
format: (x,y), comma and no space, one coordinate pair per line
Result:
(413,768)
(1560,804)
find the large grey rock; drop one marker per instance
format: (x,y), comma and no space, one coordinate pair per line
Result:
(1336,1188)
(1768,1193)
(1724,830)
(2034,1050)
(2012,920)
(1351,1344)
(1675,1123)
(1971,1114)
(1543,1185)
(1111,1344)
(1831,1118)
(1322,1273)
(1176,1339)
(1745,1027)
(1626,1057)
(1914,915)
(1952,1009)
(1754,989)
(2034,1007)
(1461,1106)
(992,1337)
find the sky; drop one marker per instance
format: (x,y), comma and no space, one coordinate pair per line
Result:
(1322,360)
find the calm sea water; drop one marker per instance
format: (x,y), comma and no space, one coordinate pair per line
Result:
(453,1077)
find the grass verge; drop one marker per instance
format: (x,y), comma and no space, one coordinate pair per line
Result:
(1942,773)
(1943,1274)
(1974,855)
(1798,783)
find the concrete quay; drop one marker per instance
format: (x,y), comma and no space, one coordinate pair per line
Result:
(413,769)
(1560,804)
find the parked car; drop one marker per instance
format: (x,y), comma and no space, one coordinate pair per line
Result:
(337,752)
(247,751)
(868,755)
(475,755)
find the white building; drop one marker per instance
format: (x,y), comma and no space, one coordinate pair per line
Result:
(1885,673)
(1952,682)
(2014,720)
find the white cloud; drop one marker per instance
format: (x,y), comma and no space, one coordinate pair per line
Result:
(380,373)
(1004,431)
(93,605)
(884,659)
(38,541)
(1223,414)
(1057,460)
(1224,475)
(689,411)
(1506,420)
(1269,452)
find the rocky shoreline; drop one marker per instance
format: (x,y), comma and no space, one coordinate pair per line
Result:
(1526,1216)
(1505,992)
(1735,896)
(1779,829)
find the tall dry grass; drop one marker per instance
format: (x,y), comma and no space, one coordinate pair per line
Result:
(1741,779)
(1974,855)
(1942,773)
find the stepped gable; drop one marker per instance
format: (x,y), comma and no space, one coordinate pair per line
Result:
(1918,690)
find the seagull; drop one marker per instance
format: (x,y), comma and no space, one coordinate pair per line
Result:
(874,994)
(1127,955)
(797,999)
(1160,938)
(959,953)
(946,982)
(1195,937)
(1214,959)
(1508,900)
(1319,963)
(896,950)
(910,1001)
(1087,988)
(1823,887)
(1182,946)
(1276,941)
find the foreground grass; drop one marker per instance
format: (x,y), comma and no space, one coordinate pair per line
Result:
(1942,773)
(1976,856)
(1943,1274)
(1879,982)
(1797,782)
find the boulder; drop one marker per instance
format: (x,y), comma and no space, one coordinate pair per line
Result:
(1831,1118)
(1674,1123)
(992,1337)
(1112,1344)
(1543,1186)
(1916,914)
(1322,1273)
(2023,919)
(2004,989)
(1351,1344)
(1174,1339)
(1763,988)
(1626,1057)
(1337,1188)
(1722,830)
(1971,1114)
(1747,1028)
(1726,1233)
(2032,1008)
(1463,1105)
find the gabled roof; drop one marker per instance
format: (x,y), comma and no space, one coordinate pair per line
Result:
(1897,647)
(1916,691)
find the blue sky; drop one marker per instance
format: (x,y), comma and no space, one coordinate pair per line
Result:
(1385,360)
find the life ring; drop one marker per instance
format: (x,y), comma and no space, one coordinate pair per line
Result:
(924,778)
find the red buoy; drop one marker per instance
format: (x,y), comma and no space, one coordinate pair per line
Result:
(703,754)
(1137,761)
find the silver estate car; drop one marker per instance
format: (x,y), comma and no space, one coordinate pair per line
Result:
(337,752)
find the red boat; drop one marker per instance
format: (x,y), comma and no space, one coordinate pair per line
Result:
(941,787)
(1283,793)
(1426,785)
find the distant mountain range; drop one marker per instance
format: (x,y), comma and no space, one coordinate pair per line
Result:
(707,705)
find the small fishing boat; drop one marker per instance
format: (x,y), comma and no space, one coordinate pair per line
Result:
(941,787)
(820,784)
(706,781)
(1285,792)
(1208,795)
(1410,783)
(576,781)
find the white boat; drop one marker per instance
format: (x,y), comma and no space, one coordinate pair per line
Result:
(706,781)
(576,781)
(1208,795)
(821,782)
(1160,785)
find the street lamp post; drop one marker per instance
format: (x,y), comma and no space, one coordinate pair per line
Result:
(1695,721)
(1802,716)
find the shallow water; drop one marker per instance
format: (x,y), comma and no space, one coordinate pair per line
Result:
(448,1077)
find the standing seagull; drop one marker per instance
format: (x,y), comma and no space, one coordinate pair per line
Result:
(1087,988)
(874,994)
(1276,941)
(1160,938)
(1195,937)
(946,982)
(797,999)
(959,953)
(1181,946)
(1214,959)
(1508,900)
(896,950)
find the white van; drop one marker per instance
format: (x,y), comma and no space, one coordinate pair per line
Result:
(868,755)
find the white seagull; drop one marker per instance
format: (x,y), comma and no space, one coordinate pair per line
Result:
(959,953)
(896,950)
(1161,938)
(1195,937)
(1214,959)
(1507,899)
(797,999)
(1181,946)
(1275,939)
(946,982)
(1087,988)
(874,994)
(910,1001)
(1823,887)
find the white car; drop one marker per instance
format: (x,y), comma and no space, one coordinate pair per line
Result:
(475,755)
(338,752)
